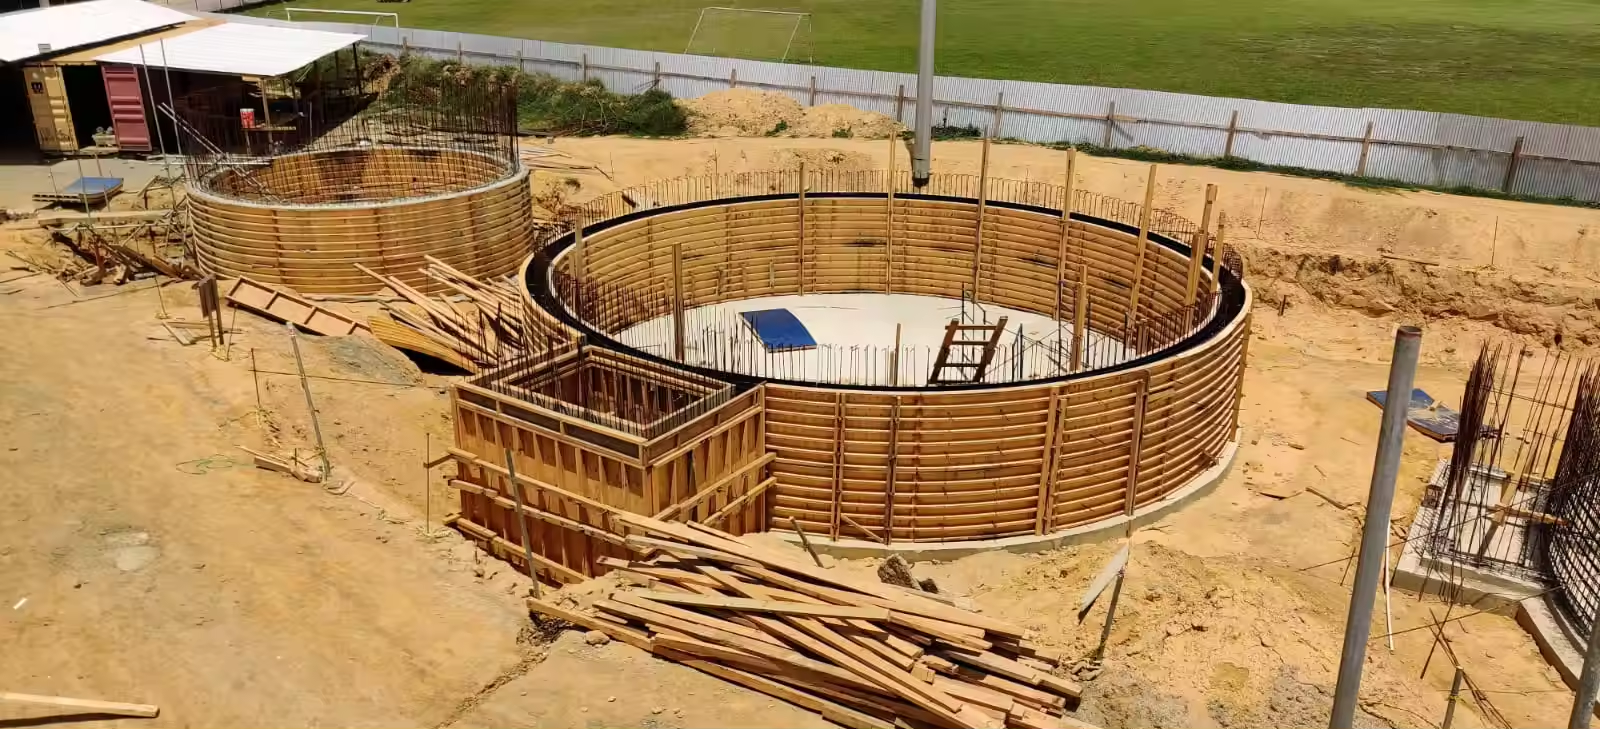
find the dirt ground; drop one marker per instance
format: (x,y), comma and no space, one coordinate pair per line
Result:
(148,562)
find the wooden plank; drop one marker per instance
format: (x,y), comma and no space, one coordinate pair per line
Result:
(688,622)
(739,503)
(282,304)
(716,487)
(1009,668)
(765,606)
(1143,242)
(841,715)
(646,545)
(616,632)
(83,706)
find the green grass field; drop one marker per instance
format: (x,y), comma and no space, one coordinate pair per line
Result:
(1519,59)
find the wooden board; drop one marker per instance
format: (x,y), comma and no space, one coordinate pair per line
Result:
(284,305)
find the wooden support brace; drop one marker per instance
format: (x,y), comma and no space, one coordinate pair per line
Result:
(983,209)
(1047,466)
(1144,241)
(1141,395)
(1197,249)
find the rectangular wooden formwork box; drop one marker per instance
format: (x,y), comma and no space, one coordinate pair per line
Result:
(580,458)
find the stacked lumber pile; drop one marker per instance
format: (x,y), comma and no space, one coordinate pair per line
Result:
(864,655)
(483,331)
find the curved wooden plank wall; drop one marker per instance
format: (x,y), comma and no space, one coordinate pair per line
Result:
(940,465)
(482,224)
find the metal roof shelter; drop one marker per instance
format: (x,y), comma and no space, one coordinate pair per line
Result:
(29,33)
(237,49)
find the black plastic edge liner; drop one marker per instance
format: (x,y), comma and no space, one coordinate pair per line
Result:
(1230,307)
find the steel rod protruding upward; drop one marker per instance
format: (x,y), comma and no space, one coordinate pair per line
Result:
(1375,530)
(922,153)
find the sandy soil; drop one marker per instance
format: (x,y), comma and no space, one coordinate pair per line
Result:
(158,568)
(753,113)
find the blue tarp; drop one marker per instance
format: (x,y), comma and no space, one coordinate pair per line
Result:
(779,330)
(1425,415)
(93,186)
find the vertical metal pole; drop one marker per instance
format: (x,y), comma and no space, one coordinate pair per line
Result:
(522,521)
(1588,682)
(1455,697)
(922,155)
(1375,528)
(316,427)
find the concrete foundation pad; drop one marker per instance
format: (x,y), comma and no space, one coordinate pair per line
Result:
(1086,534)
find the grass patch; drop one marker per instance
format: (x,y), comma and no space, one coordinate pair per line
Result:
(1516,59)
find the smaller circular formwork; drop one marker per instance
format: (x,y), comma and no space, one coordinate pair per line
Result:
(306,220)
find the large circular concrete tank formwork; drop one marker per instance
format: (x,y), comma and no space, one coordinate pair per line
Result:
(414,172)
(1035,460)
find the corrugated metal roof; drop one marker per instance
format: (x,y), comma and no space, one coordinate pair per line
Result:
(238,49)
(64,27)
(86,56)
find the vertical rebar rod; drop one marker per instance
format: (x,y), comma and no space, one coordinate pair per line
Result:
(1375,529)
(522,521)
(922,154)
(1455,697)
(305,385)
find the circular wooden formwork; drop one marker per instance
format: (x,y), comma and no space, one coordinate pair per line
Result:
(308,219)
(951,464)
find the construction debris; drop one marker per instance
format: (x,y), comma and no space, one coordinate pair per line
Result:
(84,706)
(474,335)
(864,655)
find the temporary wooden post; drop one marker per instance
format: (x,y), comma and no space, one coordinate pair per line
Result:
(522,519)
(677,301)
(888,224)
(1041,520)
(577,251)
(800,271)
(522,64)
(1511,165)
(657,73)
(1233,128)
(999,112)
(733,78)
(1080,318)
(888,496)
(459,53)
(983,206)
(1141,397)
(1111,124)
(583,67)
(1216,252)
(1066,224)
(813,102)
(1197,248)
(1144,240)
(1366,144)
(838,463)
(900,104)
(894,359)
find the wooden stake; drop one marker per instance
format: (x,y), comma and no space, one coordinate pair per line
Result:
(577,251)
(1144,240)
(677,302)
(1041,520)
(733,77)
(800,273)
(900,104)
(1511,166)
(888,225)
(983,205)
(583,67)
(1366,144)
(999,111)
(894,447)
(838,461)
(894,359)
(84,706)
(813,101)
(1197,249)
(1066,224)
(1233,128)
(1111,125)
(1141,397)
(804,542)
(1216,252)
(1080,318)
(311,407)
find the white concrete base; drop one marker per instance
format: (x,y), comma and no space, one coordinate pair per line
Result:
(1088,533)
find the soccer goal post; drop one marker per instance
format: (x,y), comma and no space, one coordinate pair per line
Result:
(751,33)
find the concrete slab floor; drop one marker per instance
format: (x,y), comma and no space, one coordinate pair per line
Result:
(19,182)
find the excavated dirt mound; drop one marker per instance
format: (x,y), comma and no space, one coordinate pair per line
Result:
(752,113)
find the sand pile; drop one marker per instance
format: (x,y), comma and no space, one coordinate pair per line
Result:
(841,120)
(752,113)
(741,113)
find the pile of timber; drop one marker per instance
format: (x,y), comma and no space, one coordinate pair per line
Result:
(864,655)
(483,331)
